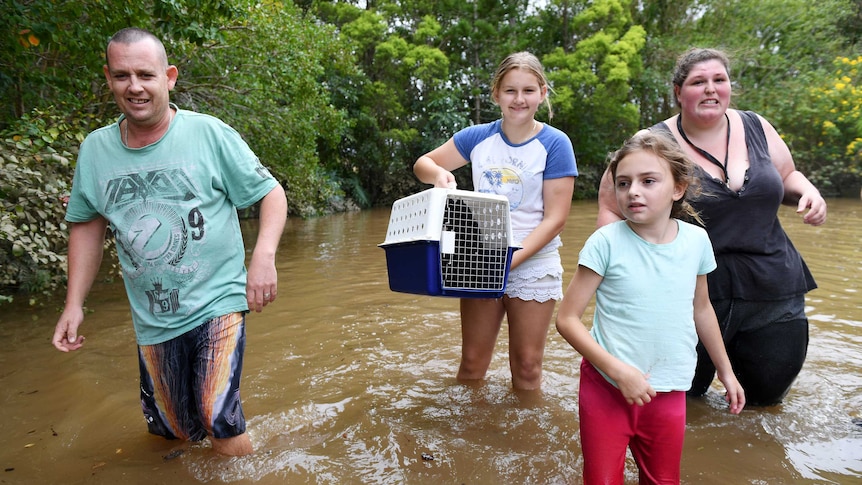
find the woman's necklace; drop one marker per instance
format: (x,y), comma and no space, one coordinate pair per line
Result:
(706,154)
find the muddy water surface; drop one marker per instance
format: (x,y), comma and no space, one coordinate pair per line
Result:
(348,382)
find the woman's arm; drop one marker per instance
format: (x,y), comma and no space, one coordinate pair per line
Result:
(436,166)
(609,210)
(557,200)
(798,190)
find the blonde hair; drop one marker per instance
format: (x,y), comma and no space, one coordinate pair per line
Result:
(681,167)
(527,62)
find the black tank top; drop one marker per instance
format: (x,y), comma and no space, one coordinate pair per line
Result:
(756,260)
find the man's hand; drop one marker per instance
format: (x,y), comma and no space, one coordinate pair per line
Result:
(66,336)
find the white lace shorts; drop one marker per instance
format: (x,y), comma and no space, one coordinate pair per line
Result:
(539,278)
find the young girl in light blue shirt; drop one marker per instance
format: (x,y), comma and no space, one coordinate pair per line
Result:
(648,275)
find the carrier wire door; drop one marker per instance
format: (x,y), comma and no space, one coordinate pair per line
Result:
(473,246)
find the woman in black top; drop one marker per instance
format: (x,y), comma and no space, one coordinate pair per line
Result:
(747,172)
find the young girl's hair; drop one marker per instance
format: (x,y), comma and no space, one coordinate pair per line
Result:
(527,62)
(681,168)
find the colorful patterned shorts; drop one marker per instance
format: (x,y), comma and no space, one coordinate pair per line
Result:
(190,384)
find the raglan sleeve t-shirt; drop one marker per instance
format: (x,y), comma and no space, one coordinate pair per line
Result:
(517,171)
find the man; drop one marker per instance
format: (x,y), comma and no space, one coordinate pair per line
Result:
(168,182)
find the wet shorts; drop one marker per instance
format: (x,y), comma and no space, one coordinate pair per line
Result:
(190,384)
(539,278)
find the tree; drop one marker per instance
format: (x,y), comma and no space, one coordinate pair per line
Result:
(267,78)
(670,26)
(593,85)
(824,129)
(53,52)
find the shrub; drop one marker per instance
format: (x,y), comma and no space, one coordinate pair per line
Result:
(36,158)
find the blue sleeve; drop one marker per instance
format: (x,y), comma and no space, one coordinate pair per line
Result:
(467,139)
(561,155)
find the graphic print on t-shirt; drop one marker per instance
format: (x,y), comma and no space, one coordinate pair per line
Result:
(502,181)
(154,215)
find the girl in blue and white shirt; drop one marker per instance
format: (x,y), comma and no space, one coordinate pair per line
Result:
(533,165)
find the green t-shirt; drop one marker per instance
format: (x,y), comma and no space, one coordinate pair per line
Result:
(172,209)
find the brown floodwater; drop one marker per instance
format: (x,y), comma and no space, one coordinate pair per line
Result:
(348,382)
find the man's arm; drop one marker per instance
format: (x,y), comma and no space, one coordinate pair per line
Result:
(86,246)
(262,285)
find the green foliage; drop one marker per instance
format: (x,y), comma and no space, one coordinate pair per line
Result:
(593,86)
(825,128)
(670,31)
(267,79)
(53,52)
(400,71)
(197,21)
(35,158)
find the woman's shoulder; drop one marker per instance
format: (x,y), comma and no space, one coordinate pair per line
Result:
(478,132)
(551,136)
(474,134)
(746,115)
(663,126)
(749,117)
(753,124)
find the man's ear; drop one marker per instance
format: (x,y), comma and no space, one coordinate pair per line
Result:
(172,74)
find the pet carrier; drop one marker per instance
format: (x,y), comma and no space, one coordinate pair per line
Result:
(448,242)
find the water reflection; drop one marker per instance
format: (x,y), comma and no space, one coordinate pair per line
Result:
(348,382)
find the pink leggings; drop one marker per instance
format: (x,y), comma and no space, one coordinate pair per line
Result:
(608,424)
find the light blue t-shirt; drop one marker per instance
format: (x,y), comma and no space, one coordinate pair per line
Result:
(172,209)
(645,303)
(517,171)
